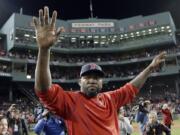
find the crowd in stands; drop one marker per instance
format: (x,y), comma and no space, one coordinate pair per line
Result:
(5,67)
(116,71)
(82,58)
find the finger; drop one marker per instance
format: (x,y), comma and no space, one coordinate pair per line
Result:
(162,54)
(35,22)
(46,15)
(53,20)
(41,17)
(59,31)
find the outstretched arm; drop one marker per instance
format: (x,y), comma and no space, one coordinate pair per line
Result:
(46,36)
(140,79)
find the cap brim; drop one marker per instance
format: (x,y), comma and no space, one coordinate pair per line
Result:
(94,72)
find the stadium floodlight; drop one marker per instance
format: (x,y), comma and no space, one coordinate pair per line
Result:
(113,40)
(82,37)
(169,30)
(96,36)
(102,43)
(168,27)
(73,39)
(89,36)
(115,36)
(143,31)
(150,32)
(103,36)
(132,34)
(155,29)
(162,27)
(26,35)
(162,30)
(96,42)
(137,33)
(126,37)
(28,76)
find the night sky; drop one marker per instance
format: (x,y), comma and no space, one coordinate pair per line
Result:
(78,9)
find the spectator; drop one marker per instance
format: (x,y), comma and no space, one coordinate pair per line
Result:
(4,126)
(124,123)
(154,127)
(167,116)
(49,125)
(142,114)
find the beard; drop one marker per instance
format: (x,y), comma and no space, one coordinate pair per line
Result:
(91,91)
(91,94)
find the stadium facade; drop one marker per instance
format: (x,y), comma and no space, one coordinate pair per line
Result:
(122,47)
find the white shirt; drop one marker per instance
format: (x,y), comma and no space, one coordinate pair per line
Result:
(125,126)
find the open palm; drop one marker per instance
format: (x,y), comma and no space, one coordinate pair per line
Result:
(46,32)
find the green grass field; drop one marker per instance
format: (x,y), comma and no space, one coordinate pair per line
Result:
(175,128)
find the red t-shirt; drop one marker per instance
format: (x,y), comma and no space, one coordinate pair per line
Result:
(88,116)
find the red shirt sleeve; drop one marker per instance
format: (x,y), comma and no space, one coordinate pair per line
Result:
(123,95)
(57,100)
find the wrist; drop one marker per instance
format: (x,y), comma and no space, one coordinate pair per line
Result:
(150,68)
(44,49)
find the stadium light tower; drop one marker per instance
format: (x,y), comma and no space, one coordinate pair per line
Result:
(91,8)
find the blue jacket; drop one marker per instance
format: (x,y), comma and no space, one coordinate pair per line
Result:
(50,126)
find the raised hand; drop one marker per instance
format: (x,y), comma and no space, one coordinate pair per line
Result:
(141,78)
(158,60)
(46,32)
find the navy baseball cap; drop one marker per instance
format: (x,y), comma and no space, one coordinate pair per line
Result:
(91,68)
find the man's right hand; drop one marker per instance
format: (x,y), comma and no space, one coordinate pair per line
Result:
(46,32)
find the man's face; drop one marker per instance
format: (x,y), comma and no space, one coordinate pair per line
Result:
(90,85)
